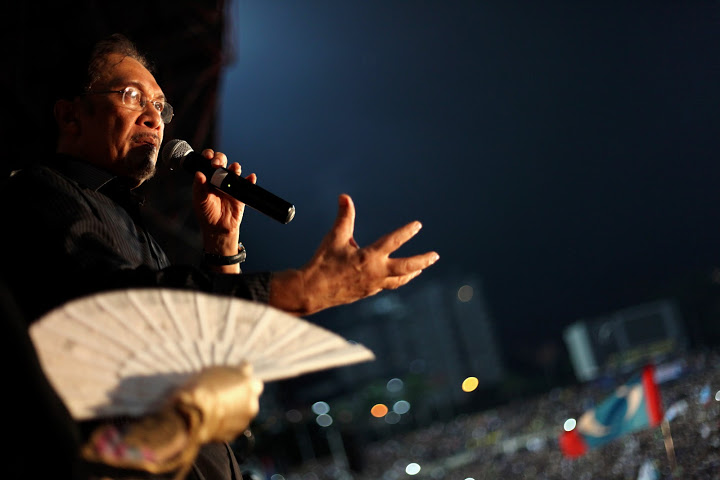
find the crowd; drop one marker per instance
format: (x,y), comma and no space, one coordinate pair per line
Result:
(519,440)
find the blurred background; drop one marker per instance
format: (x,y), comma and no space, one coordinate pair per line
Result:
(561,155)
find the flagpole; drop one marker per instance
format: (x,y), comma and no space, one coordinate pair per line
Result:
(669,445)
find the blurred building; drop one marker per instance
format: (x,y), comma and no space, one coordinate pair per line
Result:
(436,356)
(625,338)
(430,337)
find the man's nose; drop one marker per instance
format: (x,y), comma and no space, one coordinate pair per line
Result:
(151,116)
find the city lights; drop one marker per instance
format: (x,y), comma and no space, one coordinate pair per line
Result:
(465,293)
(391,418)
(569,424)
(379,410)
(293,416)
(401,407)
(412,469)
(324,420)
(470,384)
(320,408)
(395,385)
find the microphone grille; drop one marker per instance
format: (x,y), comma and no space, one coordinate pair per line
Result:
(173,152)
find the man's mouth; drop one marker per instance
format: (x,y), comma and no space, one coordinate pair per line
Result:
(147,140)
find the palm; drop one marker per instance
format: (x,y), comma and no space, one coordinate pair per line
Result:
(219,211)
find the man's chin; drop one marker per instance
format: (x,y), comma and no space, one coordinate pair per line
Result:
(142,175)
(141,162)
(145,150)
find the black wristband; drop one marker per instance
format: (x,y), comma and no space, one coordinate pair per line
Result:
(219,260)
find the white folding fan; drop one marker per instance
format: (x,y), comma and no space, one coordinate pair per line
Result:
(119,353)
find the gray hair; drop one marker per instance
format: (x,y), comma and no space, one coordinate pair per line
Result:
(115,43)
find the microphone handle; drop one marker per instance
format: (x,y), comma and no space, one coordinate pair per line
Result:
(241,189)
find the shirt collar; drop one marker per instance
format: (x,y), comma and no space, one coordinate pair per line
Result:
(96,179)
(84,173)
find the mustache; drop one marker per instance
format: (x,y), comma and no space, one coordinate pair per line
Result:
(142,137)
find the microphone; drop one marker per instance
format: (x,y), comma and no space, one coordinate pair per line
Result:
(177,154)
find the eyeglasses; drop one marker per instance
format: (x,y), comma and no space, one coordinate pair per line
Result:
(135,100)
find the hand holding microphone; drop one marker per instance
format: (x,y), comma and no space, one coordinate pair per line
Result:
(177,154)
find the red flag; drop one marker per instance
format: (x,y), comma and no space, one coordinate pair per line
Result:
(633,406)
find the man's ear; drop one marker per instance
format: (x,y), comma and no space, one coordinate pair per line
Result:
(66,117)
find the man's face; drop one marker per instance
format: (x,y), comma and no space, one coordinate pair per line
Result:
(114,136)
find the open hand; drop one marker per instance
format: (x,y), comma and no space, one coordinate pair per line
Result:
(341,272)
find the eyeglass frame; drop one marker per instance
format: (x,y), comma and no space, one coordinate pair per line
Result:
(143,102)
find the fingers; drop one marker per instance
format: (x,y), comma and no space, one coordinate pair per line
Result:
(397,282)
(344,226)
(392,241)
(235,168)
(400,271)
(399,267)
(217,159)
(199,179)
(220,160)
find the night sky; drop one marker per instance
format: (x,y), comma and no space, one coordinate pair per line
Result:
(566,153)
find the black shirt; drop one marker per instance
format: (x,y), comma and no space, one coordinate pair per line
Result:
(72,229)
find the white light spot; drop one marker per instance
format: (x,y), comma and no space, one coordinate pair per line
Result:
(324,420)
(320,408)
(412,469)
(401,407)
(395,385)
(569,424)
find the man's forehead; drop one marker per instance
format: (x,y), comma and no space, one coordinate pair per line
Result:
(124,71)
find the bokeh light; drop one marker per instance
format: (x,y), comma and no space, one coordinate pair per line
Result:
(293,416)
(395,385)
(412,469)
(569,424)
(465,293)
(392,418)
(324,420)
(320,408)
(401,407)
(379,410)
(470,384)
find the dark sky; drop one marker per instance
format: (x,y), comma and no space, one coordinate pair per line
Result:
(564,152)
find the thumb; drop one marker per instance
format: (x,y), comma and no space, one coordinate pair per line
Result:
(344,226)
